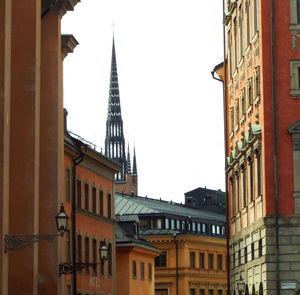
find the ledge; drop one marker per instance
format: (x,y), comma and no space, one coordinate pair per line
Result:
(62,6)
(68,44)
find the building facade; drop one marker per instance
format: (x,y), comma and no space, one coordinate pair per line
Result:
(192,244)
(94,197)
(31,142)
(135,259)
(127,179)
(262,119)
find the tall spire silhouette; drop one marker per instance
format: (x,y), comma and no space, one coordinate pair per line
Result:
(114,140)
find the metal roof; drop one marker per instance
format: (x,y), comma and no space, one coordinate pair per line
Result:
(125,204)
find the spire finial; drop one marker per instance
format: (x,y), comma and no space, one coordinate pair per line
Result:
(113,28)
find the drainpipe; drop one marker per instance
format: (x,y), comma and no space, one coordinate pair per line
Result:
(275,146)
(225,148)
(176,244)
(76,161)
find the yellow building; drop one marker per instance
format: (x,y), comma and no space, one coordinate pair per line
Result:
(192,244)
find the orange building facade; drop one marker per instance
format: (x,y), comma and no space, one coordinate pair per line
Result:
(94,190)
(31,141)
(262,116)
(201,265)
(135,261)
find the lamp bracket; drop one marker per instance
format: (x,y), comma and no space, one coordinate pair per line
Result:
(69,268)
(16,242)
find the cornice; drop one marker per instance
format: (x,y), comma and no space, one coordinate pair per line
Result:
(68,44)
(61,7)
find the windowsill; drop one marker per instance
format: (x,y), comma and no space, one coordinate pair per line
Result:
(295,93)
(294,27)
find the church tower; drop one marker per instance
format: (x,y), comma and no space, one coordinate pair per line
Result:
(126,180)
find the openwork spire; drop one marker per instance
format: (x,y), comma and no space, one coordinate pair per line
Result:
(114,141)
(128,161)
(134,169)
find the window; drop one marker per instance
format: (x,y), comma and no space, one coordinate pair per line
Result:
(201,260)
(95,256)
(172,224)
(246,254)
(109,259)
(220,266)
(102,261)
(233,260)
(68,290)
(249,92)
(230,54)
(232,195)
(213,229)
(142,269)
(192,259)
(295,78)
(256,83)
(248,21)
(87,251)
(167,223)
(241,31)
(101,202)
(251,179)
(220,292)
(78,187)
(192,292)
(203,227)
(157,223)
(231,120)
(149,271)
(244,187)
(86,196)
(161,260)
(210,261)
(94,202)
(177,224)
(67,185)
(193,226)
(259,178)
(134,269)
(242,104)
(240,257)
(255,16)
(237,115)
(238,190)
(109,205)
(252,251)
(235,44)
(202,291)
(260,248)
(211,292)
(79,249)
(68,246)
(198,227)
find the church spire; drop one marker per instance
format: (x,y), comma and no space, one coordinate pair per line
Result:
(114,140)
(134,169)
(128,163)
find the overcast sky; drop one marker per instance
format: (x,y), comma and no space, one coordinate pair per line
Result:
(171,107)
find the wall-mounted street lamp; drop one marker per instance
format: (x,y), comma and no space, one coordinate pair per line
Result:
(70,268)
(241,285)
(17,242)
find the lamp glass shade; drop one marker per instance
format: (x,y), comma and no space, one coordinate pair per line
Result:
(241,285)
(62,220)
(103,251)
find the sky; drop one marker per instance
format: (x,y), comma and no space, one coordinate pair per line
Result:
(172,109)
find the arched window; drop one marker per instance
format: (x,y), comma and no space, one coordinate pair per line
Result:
(261,289)
(246,290)
(253,289)
(294,130)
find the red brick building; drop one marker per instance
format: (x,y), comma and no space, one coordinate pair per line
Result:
(262,127)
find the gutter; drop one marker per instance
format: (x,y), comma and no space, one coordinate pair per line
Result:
(275,147)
